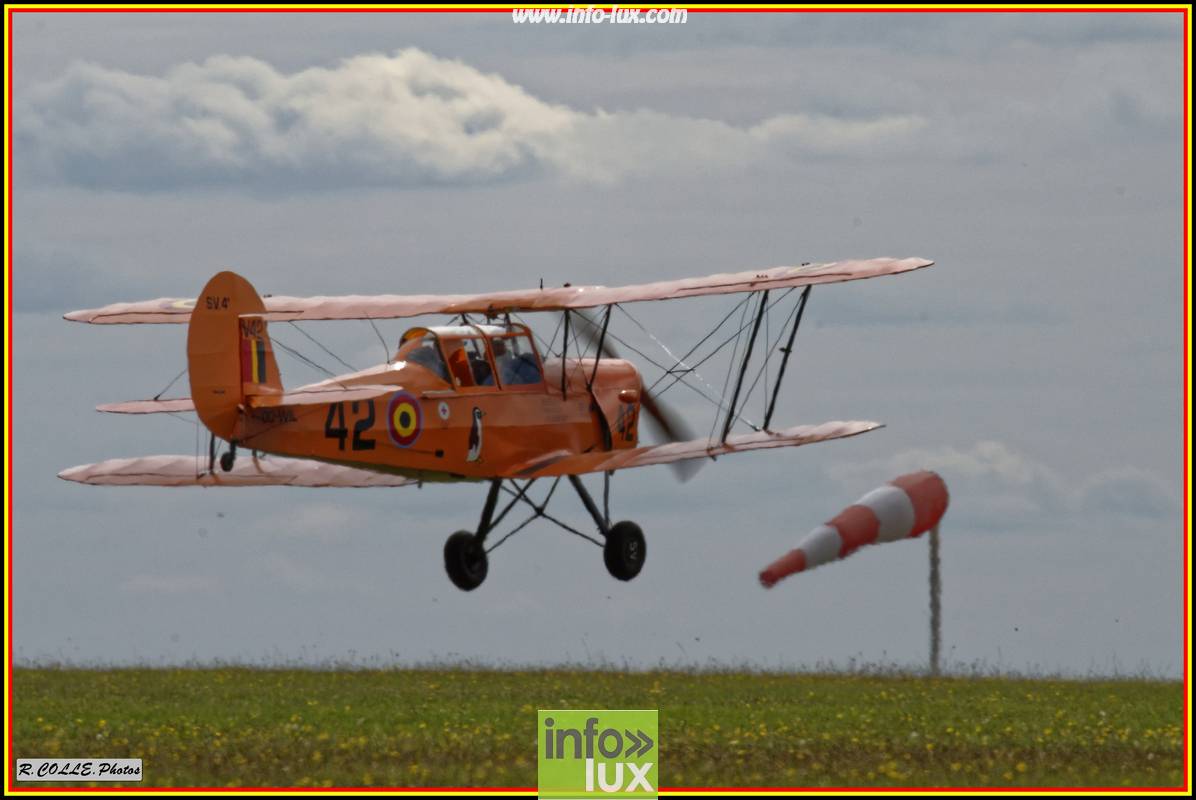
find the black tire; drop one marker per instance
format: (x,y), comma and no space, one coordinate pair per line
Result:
(465,561)
(625,550)
(227,459)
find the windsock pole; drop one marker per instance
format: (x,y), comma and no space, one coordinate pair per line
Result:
(936,591)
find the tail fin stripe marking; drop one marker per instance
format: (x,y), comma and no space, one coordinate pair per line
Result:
(246,361)
(259,360)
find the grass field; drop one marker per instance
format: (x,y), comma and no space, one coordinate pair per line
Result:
(461,727)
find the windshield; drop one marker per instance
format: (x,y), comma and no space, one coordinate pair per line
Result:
(468,362)
(516,360)
(424,351)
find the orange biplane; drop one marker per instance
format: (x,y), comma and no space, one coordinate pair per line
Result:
(475,400)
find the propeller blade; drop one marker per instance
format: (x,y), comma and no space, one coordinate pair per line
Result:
(675,429)
(671,425)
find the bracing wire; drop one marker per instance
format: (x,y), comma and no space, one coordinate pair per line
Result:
(677,362)
(742,327)
(166,388)
(378,333)
(325,349)
(560,320)
(730,367)
(175,415)
(702,341)
(680,368)
(302,358)
(611,335)
(762,371)
(197,473)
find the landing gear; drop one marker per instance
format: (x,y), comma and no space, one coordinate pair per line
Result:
(624,550)
(465,553)
(465,560)
(229,457)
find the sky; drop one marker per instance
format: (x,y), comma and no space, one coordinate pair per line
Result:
(1036,158)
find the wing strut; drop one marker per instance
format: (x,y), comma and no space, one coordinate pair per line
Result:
(787,349)
(607,440)
(564,355)
(598,353)
(747,357)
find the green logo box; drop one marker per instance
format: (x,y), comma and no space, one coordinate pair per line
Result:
(598,753)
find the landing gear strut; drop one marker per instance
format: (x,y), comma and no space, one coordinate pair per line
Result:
(465,553)
(625,549)
(227,459)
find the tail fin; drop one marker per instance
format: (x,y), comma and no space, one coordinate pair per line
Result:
(229,355)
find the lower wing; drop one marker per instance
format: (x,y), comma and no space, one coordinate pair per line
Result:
(607,460)
(280,471)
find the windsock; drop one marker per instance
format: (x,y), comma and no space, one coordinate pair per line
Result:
(901,509)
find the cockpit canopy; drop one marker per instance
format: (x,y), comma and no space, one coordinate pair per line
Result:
(474,356)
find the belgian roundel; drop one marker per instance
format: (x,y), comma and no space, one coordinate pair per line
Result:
(404,419)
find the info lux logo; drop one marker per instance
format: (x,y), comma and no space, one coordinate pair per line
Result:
(598,753)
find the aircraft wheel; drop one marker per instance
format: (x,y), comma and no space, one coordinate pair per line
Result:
(625,550)
(465,560)
(227,459)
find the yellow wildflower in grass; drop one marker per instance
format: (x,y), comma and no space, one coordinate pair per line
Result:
(391,728)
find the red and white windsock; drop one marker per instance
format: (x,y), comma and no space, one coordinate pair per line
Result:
(901,509)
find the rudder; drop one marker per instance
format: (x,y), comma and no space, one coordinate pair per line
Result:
(229,355)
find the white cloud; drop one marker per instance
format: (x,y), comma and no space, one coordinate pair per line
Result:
(984,461)
(815,133)
(1128,491)
(401,120)
(994,486)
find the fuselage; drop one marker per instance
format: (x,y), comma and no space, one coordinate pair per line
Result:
(468,402)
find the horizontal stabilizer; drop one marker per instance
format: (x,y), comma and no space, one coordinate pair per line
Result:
(604,461)
(148,406)
(299,397)
(248,471)
(321,393)
(393,306)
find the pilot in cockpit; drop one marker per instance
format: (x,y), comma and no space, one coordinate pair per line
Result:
(514,368)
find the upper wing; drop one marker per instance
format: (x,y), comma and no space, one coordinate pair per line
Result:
(192,471)
(603,461)
(386,306)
